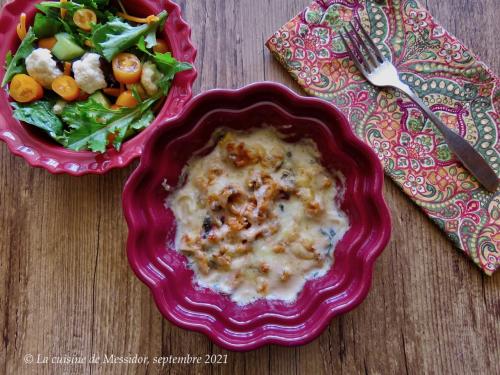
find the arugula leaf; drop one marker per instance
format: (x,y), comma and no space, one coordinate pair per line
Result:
(135,93)
(39,114)
(141,44)
(167,64)
(45,26)
(91,124)
(169,73)
(116,36)
(144,121)
(8,58)
(95,4)
(51,8)
(15,64)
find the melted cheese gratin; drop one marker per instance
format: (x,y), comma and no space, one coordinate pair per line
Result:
(257,216)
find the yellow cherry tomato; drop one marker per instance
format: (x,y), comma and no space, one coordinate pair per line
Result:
(126,99)
(84,18)
(66,87)
(127,68)
(24,89)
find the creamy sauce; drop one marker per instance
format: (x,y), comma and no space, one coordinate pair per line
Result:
(257,216)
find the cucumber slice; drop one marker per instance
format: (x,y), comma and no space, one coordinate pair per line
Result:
(100,98)
(66,49)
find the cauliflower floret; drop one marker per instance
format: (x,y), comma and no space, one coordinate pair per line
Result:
(42,67)
(88,73)
(59,107)
(150,75)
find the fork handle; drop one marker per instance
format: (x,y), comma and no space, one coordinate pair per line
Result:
(462,149)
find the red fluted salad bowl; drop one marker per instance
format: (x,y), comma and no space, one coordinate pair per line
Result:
(39,151)
(152,225)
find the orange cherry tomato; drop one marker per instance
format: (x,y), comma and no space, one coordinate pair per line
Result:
(66,87)
(47,43)
(127,68)
(24,89)
(126,99)
(161,46)
(115,107)
(84,18)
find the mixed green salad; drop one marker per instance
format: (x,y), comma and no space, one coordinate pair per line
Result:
(89,74)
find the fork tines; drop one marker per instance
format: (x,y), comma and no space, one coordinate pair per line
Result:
(361,45)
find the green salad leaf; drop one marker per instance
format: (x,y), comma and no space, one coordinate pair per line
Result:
(95,4)
(117,35)
(92,124)
(15,64)
(51,8)
(45,26)
(169,66)
(40,114)
(166,63)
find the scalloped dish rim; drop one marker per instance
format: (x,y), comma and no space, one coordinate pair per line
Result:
(261,327)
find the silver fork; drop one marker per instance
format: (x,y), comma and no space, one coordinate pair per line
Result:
(380,72)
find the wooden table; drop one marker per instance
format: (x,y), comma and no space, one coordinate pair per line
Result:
(66,287)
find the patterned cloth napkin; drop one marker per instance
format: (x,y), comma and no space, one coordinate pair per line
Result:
(461,89)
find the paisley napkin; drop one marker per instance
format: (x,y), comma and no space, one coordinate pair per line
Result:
(453,81)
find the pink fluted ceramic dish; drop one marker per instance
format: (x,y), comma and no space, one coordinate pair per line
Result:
(39,151)
(152,225)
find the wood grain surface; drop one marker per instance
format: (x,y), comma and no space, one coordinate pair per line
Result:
(66,288)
